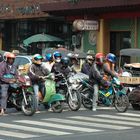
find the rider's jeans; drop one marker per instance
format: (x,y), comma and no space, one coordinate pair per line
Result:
(4,95)
(95,96)
(37,88)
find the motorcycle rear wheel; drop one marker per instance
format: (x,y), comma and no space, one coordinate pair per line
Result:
(57,106)
(121,102)
(75,104)
(30,108)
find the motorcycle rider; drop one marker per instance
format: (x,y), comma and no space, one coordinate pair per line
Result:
(65,68)
(96,77)
(109,66)
(88,63)
(49,61)
(36,73)
(57,62)
(8,75)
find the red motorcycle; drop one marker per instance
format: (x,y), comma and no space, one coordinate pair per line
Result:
(21,97)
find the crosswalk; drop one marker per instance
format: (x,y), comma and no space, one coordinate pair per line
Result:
(99,123)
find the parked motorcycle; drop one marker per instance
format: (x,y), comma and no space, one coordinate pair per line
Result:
(66,87)
(51,99)
(114,95)
(21,97)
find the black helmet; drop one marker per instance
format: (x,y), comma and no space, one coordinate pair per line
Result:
(65,61)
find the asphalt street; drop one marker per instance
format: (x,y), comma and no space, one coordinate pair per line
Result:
(104,124)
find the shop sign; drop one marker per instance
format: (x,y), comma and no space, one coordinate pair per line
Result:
(86,25)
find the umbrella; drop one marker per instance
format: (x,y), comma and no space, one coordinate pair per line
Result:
(41,38)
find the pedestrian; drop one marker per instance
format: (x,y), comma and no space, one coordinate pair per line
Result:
(8,75)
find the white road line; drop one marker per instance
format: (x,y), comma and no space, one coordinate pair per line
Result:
(108,126)
(118,117)
(129,114)
(16,134)
(103,120)
(60,126)
(32,129)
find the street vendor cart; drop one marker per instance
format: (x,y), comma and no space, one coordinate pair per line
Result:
(131,75)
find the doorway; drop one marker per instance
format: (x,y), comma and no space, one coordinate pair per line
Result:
(120,40)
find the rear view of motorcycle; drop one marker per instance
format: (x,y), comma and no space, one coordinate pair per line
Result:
(68,88)
(21,96)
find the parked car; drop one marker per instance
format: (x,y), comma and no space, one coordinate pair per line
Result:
(23,59)
(23,62)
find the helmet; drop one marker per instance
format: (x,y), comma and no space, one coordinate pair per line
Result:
(111,57)
(99,58)
(90,59)
(4,55)
(37,57)
(65,61)
(57,56)
(8,55)
(49,57)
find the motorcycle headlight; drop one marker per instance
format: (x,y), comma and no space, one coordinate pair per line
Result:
(71,80)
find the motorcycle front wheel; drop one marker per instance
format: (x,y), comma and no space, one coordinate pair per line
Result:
(86,99)
(74,103)
(57,106)
(121,102)
(30,108)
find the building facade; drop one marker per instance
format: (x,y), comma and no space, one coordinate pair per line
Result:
(118,23)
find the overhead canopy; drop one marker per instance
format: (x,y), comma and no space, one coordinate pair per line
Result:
(41,38)
(130,52)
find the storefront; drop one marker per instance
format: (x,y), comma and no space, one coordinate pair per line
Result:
(21,19)
(119,22)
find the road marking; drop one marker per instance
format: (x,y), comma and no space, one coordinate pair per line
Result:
(16,134)
(32,129)
(108,126)
(60,126)
(93,119)
(118,117)
(129,114)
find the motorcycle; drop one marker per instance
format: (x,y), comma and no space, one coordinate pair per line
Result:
(21,97)
(51,99)
(114,95)
(67,87)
